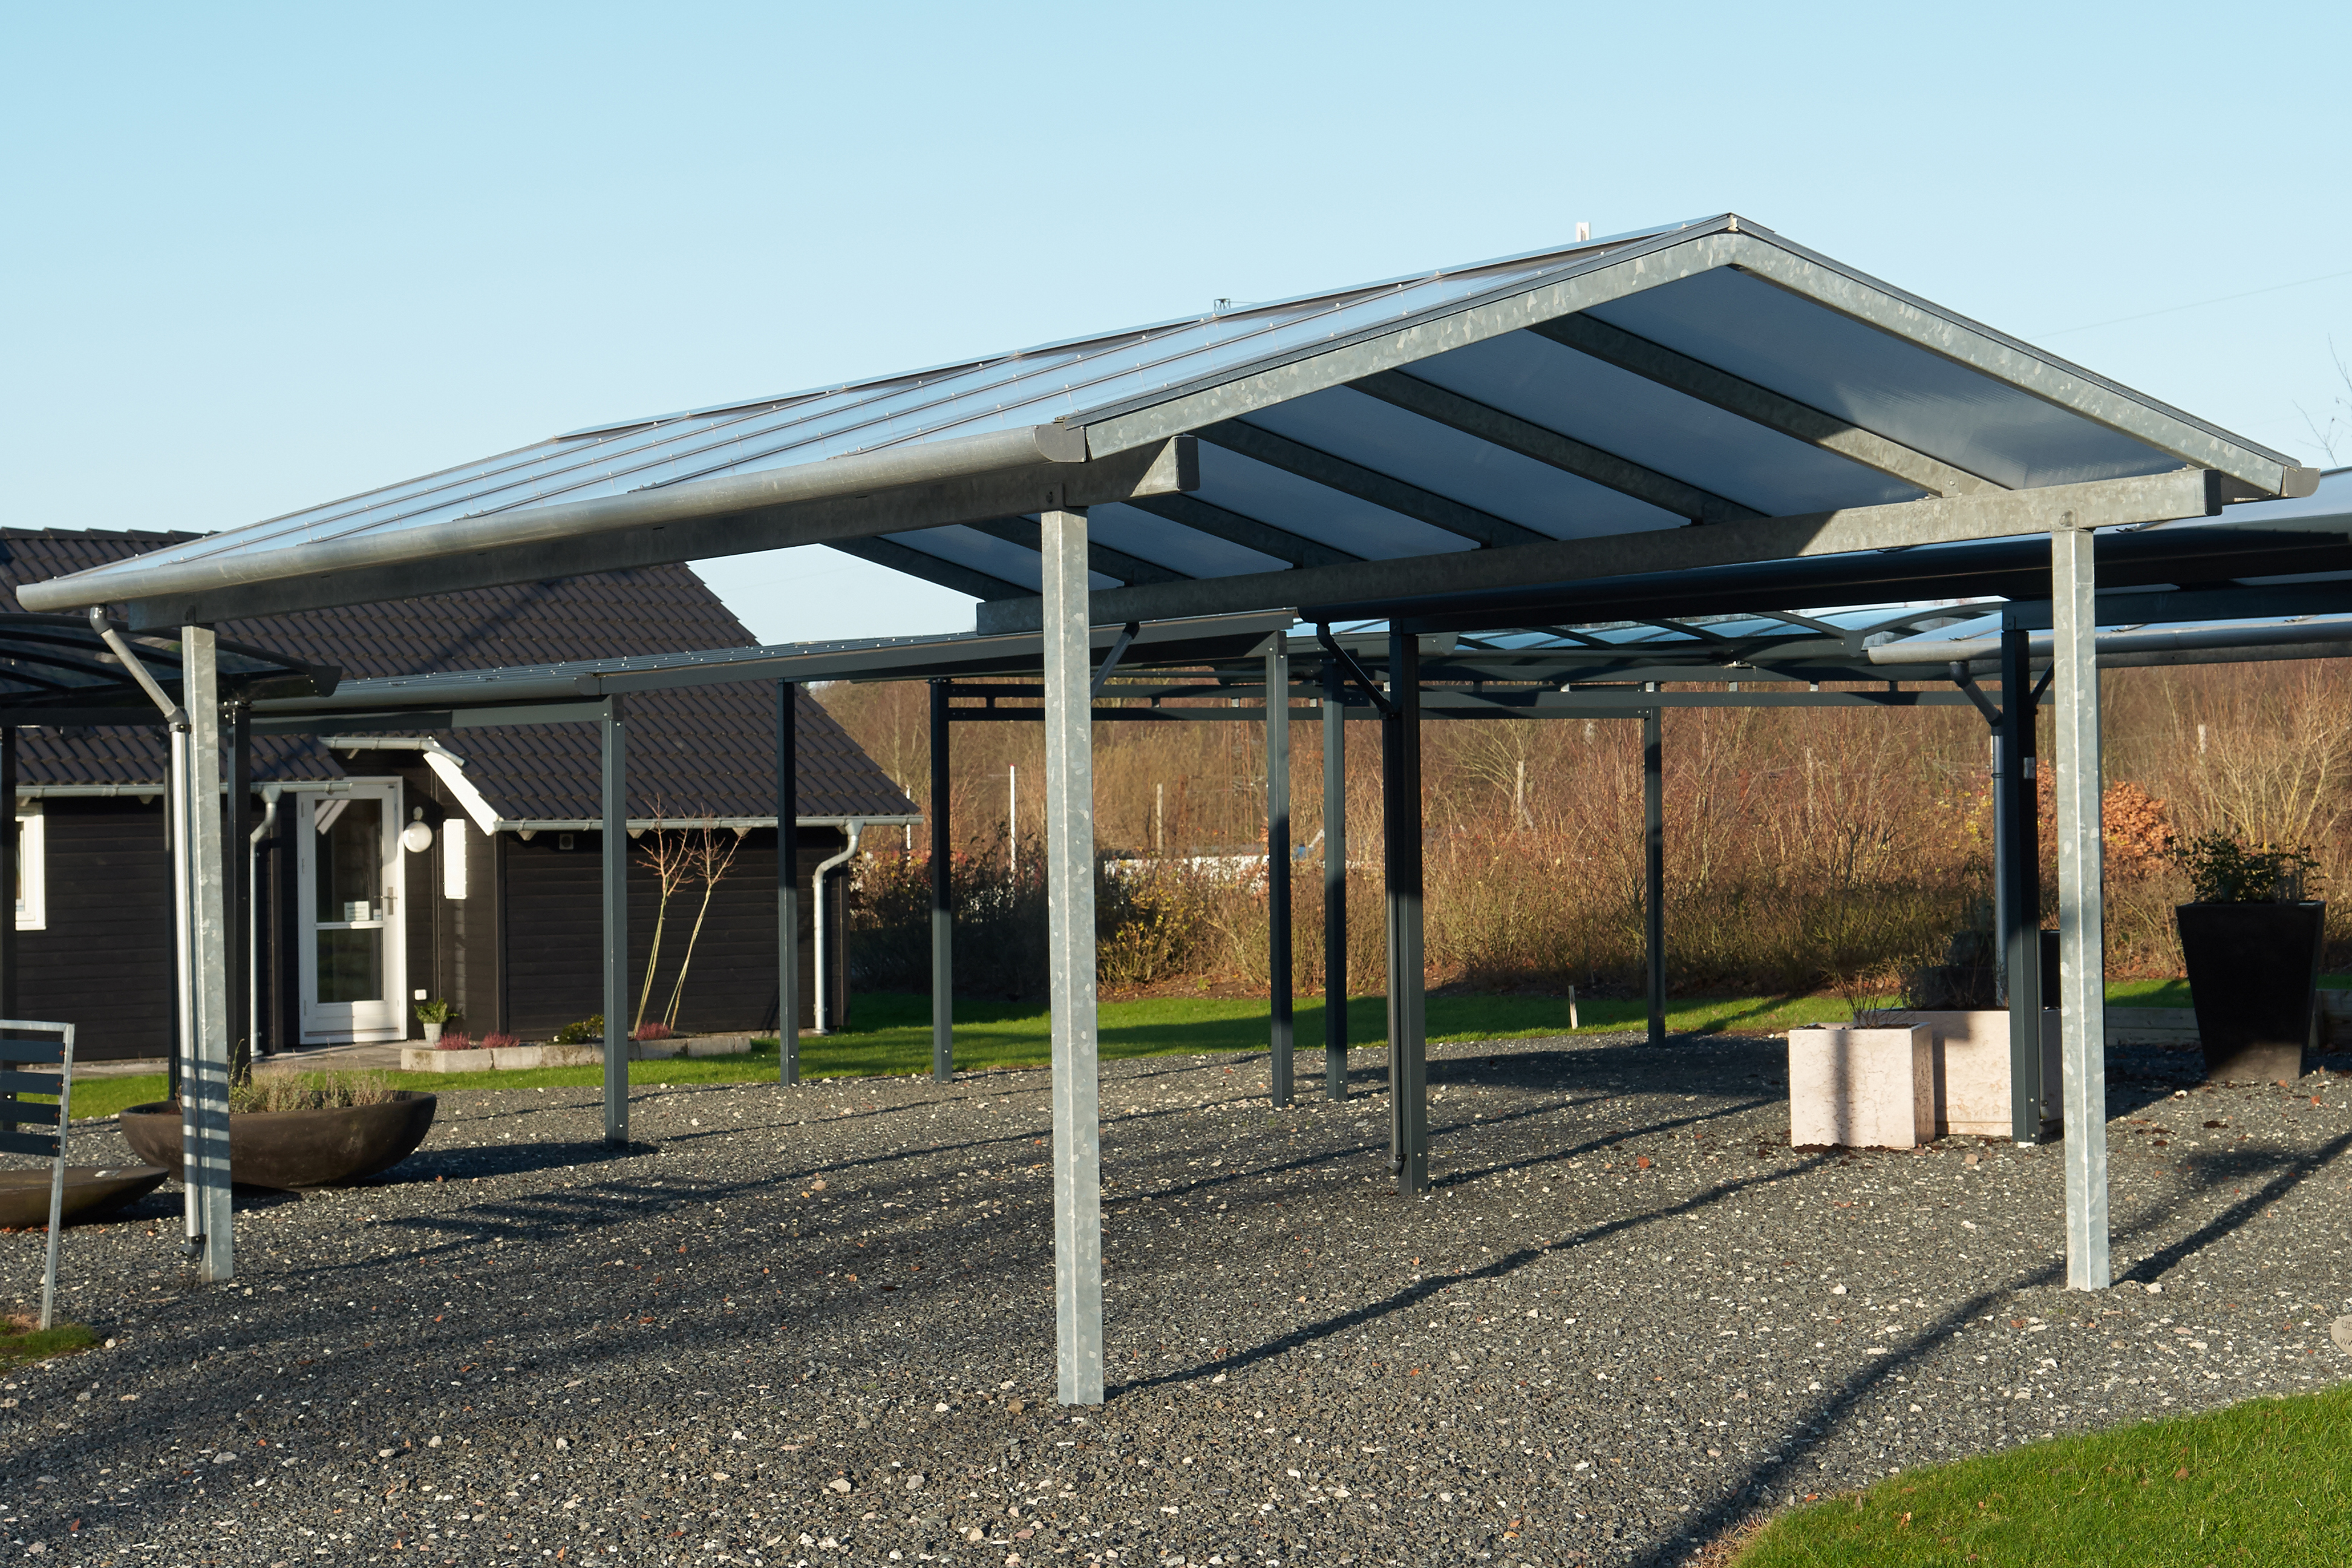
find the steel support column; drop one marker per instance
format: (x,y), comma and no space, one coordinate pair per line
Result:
(2082,923)
(788,883)
(205,1088)
(613,730)
(1335,885)
(1401,836)
(1653,870)
(1070,959)
(942,896)
(2017,886)
(1278,866)
(236,845)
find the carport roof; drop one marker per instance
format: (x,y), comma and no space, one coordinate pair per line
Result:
(1705,395)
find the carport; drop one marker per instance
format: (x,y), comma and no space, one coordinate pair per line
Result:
(1699,417)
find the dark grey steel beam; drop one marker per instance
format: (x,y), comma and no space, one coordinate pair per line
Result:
(2017,887)
(1366,484)
(943,894)
(1277,867)
(1335,885)
(1400,831)
(1566,453)
(615,906)
(950,575)
(1202,517)
(1102,558)
(1653,871)
(1696,378)
(9,871)
(1377,586)
(788,884)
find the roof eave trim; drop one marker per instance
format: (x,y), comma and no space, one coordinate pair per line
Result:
(919,485)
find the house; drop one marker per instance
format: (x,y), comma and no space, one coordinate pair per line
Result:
(493,905)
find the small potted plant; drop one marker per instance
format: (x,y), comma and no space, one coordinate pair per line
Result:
(434,1015)
(2252,943)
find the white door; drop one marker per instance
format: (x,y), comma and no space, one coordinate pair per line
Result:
(354,968)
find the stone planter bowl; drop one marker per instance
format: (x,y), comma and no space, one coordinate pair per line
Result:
(294,1148)
(92,1192)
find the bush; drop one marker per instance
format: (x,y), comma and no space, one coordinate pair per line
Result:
(2224,869)
(588,1031)
(497,1042)
(649,1032)
(435,1012)
(453,1040)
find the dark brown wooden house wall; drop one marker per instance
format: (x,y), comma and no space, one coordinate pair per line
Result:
(104,962)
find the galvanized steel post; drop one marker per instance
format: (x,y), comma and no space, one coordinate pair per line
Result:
(2016,891)
(1653,868)
(206,1084)
(942,896)
(1400,834)
(1070,959)
(1335,884)
(788,883)
(2082,919)
(1277,865)
(613,730)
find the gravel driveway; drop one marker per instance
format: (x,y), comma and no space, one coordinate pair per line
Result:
(813,1326)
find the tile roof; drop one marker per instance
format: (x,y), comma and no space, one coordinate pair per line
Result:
(706,750)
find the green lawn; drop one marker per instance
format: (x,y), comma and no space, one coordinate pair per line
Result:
(2263,1483)
(892,1033)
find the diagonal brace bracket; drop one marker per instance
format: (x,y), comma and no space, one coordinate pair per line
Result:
(1110,660)
(1356,673)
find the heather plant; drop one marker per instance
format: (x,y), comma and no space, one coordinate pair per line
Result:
(311,1092)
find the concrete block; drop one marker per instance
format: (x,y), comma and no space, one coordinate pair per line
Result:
(1971,1068)
(1863,1088)
(430,1058)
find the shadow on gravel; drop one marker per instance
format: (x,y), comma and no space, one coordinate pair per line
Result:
(1509,1263)
(454,1161)
(2291,1171)
(1775,1473)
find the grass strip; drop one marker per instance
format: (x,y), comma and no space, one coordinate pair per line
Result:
(891,1034)
(2259,1482)
(21,1343)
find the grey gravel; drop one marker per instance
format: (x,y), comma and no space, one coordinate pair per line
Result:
(813,1326)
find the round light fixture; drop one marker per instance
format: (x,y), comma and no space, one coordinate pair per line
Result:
(416,839)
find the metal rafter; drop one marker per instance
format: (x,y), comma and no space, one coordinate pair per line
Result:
(1366,484)
(1100,558)
(931,568)
(1205,517)
(1694,378)
(1565,453)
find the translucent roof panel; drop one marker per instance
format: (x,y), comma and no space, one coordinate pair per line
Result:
(1830,361)
(1720,375)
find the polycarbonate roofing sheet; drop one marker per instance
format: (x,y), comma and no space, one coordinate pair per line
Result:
(1481,334)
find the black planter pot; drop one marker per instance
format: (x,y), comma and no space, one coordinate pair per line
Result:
(294,1148)
(2253,974)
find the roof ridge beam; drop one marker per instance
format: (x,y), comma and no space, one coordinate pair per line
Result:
(1399,495)
(1566,453)
(1206,517)
(1760,404)
(1101,558)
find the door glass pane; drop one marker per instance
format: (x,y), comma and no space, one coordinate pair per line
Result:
(349,889)
(350,965)
(351,863)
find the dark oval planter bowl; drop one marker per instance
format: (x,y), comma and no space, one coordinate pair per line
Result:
(294,1148)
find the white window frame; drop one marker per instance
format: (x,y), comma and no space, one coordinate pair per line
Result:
(33,865)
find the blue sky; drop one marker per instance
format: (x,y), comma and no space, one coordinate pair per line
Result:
(259,256)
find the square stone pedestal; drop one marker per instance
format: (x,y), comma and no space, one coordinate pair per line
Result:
(1863,1088)
(1972,1067)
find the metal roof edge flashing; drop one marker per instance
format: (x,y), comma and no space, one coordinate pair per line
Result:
(201,588)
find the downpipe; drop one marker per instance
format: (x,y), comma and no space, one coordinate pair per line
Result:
(261,832)
(826,868)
